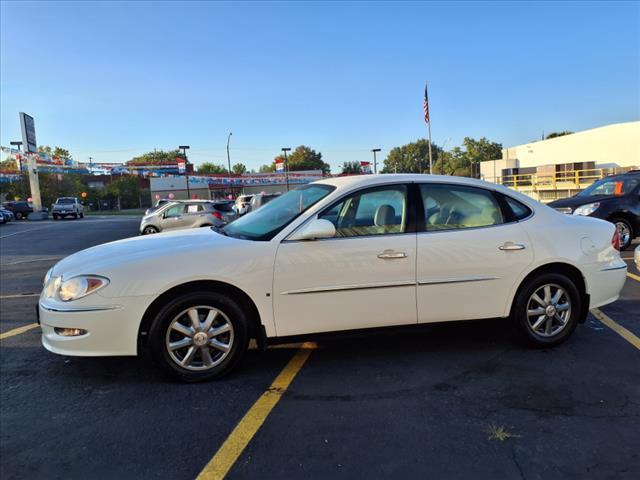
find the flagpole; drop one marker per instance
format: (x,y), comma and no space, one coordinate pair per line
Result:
(428,118)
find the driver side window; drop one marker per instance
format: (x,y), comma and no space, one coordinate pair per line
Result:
(174,211)
(376,211)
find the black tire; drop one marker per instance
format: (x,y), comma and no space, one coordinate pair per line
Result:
(18,216)
(624,245)
(149,230)
(55,217)
(521,306)
(160,326)
(81,215)
(75,216)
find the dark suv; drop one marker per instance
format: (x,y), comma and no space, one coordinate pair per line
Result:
(20,209)
(615,198)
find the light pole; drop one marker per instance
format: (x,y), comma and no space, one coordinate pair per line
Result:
(375,162)
(184,149)
(286,165)
(442,151)
(229,162)
(90,165)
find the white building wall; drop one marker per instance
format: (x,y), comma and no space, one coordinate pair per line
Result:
(616,145)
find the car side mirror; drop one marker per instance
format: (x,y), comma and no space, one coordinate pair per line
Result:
(315,229)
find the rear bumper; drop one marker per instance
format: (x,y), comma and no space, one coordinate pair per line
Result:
(604,284)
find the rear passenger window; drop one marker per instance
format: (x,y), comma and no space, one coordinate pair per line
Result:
(519,210)
(452,207)
(195,208)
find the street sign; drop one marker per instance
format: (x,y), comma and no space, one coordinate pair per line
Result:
(83,194)
(28,127)
(182,165)
(171,196)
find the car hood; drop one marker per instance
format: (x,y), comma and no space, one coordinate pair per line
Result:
(574,202)
(101,258)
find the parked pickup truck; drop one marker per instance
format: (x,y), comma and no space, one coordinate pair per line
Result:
(67,206)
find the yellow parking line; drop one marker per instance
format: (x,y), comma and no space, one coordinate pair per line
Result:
(240,437)
(619,329)
(18,331)
(634,276)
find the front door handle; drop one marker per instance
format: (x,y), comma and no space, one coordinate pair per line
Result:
(511,246)
(391,254)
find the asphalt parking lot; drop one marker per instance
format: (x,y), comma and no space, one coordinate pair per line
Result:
(447,401)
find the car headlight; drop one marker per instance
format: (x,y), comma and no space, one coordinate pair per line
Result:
(81,286)
(47,277)
(587,209)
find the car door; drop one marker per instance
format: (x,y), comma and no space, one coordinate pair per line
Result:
(193,215)
(470,253)
(363,277)
(172,217)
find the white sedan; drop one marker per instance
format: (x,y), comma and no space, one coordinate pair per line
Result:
(339,254)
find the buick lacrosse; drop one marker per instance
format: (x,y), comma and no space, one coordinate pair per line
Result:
(339,254)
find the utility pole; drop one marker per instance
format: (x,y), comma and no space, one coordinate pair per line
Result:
(229,162)
(286,166)
(186,167)
(90,165)
(375,161)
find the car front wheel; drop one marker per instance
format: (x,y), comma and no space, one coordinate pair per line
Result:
(625,231)
(199,336)
(149,230)
(547,309)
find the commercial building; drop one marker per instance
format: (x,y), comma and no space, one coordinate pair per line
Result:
(562,166)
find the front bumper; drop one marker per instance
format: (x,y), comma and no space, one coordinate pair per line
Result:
(112,326)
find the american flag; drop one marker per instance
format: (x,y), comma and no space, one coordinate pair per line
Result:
(426,104)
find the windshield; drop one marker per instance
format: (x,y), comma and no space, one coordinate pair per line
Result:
(65,200)
(265,222)
(610,187)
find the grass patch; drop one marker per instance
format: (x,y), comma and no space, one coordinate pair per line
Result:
(500,433)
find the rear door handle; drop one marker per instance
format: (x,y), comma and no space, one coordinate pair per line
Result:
(391,254)
(511,246)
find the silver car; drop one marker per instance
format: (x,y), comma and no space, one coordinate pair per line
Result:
(187,214)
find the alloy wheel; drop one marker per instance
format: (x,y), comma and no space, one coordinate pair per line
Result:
(199,338)
(624,232)
(548,310)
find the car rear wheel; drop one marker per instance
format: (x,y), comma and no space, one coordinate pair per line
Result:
(547,309)
(149,230)
(18,215)
(625,231)
(199,336)
(81,215)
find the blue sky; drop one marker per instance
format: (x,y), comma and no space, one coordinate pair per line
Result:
(113,80)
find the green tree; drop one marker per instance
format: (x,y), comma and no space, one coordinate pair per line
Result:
(239,168)
(454,162)
(126,189)
(411,158)
(159,157)
(305,158)
(208,167)
(558,134)
(9,165)
(55,152)
(267,168)
(351,168)
(480,151)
